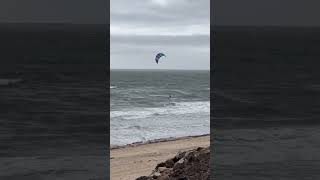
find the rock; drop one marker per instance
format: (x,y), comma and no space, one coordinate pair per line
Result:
(167,171)
(162,164)
(161,169)
(169,163)
(179,156)
(178,166)
(189,165)
(191,156)
(180,161)
(155,175)
(144,178)
(199,148)
(164,177)
(183,178)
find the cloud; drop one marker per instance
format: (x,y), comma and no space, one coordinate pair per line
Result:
(160,16)
(190,30)
(179,28)
(160,41)
(160,2)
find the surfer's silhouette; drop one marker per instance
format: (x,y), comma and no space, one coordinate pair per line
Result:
(169,98)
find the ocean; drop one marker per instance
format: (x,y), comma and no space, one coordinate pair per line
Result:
(141,108)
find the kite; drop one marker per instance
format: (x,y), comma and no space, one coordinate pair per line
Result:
(158,56)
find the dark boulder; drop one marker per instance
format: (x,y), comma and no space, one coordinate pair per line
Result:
(188,165)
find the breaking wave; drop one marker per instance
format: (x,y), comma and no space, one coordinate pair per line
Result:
(178,108)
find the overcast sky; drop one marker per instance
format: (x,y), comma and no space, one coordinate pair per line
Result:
(178,28)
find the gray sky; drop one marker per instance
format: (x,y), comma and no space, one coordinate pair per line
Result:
(178,28)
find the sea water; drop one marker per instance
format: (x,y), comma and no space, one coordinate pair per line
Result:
(154,104)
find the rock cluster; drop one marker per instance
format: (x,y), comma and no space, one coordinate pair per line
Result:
(188,165)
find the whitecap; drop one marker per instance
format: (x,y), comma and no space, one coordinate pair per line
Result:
(179,108)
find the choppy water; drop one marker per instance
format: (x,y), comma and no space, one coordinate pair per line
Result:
(141,109)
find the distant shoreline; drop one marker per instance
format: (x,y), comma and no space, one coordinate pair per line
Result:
(113,147)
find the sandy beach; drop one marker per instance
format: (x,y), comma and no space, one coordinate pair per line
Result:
(132,161)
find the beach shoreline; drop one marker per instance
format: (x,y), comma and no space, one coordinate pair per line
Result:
(139,159)
(112,147)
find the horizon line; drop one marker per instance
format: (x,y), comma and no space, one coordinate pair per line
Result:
(161,69)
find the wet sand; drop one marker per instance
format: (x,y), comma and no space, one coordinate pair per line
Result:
(132,161)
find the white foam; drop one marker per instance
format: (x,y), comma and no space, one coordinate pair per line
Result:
(143,124)
(181,92)
(177,109)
